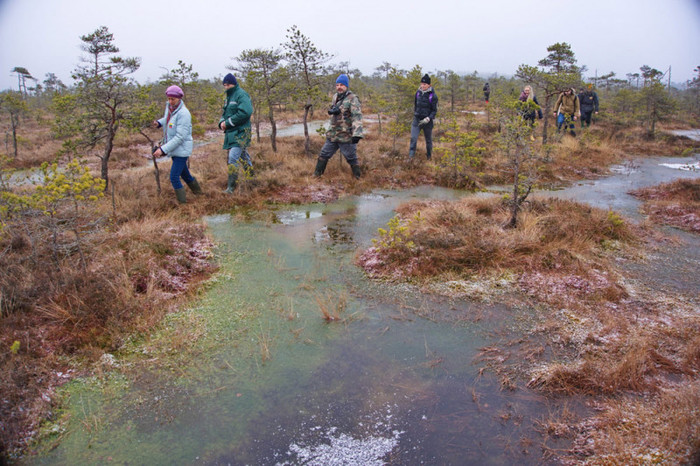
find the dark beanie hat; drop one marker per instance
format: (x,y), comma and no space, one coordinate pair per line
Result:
(425,79)
(230,79)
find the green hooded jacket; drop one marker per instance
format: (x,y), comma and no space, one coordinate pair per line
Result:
(236,113)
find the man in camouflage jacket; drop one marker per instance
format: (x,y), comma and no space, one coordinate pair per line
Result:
(345,128)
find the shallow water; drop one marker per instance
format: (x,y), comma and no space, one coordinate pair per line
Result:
(612,192)
(271,382)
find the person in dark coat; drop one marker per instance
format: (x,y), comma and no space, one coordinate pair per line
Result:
(487,92)
(588,100)
(425,105)
(235,123)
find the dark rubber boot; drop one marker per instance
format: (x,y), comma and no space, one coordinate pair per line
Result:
(320,167)
(355,171)
(181,195)
(194,186)
(232,182)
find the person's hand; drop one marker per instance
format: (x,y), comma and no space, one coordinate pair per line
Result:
(425,121)
(575,117)
(157,153)
(155,124)
(222,125)
(596,113)
(355,139)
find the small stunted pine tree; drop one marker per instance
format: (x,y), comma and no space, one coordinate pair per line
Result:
(12,103)
(307,65)
(264,77)
(515,141)
(102,96)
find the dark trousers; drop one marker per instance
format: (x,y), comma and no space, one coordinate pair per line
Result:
(586,117)
(180,170)
(348,149)
(427,132)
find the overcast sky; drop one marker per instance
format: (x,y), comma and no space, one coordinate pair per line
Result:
(489,36)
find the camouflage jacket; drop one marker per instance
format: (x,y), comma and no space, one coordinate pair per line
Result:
(347,124)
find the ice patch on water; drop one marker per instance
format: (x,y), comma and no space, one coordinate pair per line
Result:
(683,166)
(345,450)
(689,133)
(326,446)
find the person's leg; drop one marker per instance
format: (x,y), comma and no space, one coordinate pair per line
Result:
(179,165)
(349,151)
(327,151)
(428,133)
(234,155)
(560,121)
(571,124)
(177,169)
(415,131)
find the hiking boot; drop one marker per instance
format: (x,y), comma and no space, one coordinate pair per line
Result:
(194,187)
(320,167)
(181,195)
(232,182)
(355,171)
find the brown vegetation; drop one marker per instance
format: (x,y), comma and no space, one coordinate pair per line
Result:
(676,204)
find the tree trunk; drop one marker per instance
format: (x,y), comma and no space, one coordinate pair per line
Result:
(273,124)
(257,124)
(15,123)
(104,169)
(547,99)
(307,140)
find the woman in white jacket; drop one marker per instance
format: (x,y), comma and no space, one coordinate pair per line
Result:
(177,142)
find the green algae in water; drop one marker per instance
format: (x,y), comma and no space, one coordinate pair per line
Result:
(253,374)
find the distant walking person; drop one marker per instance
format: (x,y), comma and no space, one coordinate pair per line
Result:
(588,100)
(425,105)
(345,129)
(235,123)
(177,142)
(487,92)
(529,114)
(567,109)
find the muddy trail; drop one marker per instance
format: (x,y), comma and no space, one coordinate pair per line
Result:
(293,356)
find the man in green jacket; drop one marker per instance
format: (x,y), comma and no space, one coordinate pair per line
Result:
(345,129)
(235,122)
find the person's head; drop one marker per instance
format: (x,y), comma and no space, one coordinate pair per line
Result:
(425,82)
(230,81)
(569,91)
(175,95)
(342,83)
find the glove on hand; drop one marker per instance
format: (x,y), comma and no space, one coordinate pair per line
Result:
(424,121)
(355,139)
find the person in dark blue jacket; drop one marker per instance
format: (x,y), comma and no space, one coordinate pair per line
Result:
(425,104)
(588,100)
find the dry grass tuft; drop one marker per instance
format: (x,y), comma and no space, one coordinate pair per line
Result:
(676,203)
